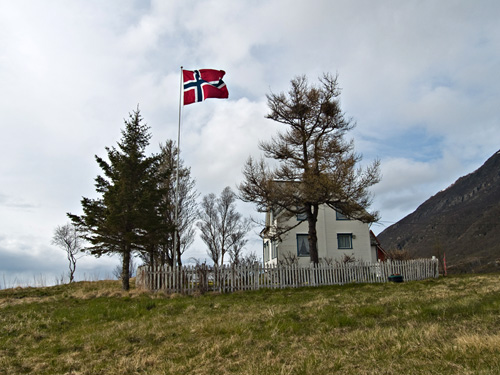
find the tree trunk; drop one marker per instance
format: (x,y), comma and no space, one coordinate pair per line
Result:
(178,250)
(312,218)
(72,266)
(125,268)
(151,257)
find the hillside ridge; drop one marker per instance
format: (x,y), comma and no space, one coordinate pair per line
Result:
(461,221)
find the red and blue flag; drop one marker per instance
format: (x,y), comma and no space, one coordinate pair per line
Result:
(203,84)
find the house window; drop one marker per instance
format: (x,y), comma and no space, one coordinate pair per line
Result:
(266,251)
(344,240)
(340,216)
(302,245)
(301,216)
(274,250)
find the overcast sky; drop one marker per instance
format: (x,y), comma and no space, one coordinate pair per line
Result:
(420,78)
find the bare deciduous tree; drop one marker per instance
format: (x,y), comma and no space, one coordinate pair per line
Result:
(161,249)
(249,259)
(187,206)
(315,164)
(222,228)
(235,252)
(67,238)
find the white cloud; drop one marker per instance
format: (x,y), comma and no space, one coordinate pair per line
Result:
(219,137)
(420,78)
(408,183)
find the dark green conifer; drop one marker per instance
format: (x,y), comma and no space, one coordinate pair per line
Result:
(124,220)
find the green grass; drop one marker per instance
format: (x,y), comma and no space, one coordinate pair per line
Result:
(445,326)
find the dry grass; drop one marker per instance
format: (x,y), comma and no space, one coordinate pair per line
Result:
(445,326)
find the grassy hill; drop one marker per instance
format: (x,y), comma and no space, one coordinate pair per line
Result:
(445,326)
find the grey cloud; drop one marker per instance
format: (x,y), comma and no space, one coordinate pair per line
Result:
(73,70)
(15,203)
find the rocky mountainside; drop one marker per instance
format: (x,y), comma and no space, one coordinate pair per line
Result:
(462,221)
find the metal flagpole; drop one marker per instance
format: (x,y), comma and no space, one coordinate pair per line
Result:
(176,214)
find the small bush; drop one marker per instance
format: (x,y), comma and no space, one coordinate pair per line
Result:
(398,254)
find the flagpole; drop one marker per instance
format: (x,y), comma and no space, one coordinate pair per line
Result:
(176,214)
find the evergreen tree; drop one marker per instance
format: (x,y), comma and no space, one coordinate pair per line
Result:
(124,218)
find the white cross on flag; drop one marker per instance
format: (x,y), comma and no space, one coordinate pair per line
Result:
(203,84)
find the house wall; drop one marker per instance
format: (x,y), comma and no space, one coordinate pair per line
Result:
(361,247)
(327,227)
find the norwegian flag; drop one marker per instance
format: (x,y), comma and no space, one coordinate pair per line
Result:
(203,84)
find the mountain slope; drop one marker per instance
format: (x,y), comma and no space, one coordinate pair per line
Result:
(462,221)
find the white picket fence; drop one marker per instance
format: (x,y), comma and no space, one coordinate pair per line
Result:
(226,279)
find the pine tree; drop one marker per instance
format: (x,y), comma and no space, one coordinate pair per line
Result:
(122,220)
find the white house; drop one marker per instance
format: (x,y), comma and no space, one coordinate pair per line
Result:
(338,236)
